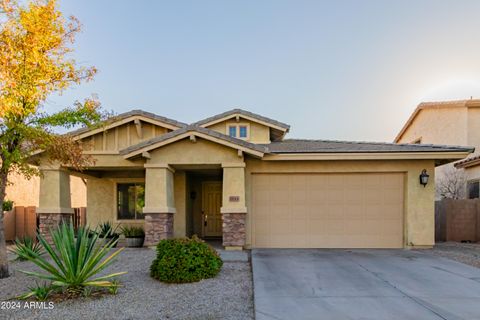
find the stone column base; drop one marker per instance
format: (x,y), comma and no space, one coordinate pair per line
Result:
(158,226)
(51,221)
(234,234)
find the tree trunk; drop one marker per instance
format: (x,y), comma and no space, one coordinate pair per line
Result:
(3,245)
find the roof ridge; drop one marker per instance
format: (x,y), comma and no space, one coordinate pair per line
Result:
(246,113)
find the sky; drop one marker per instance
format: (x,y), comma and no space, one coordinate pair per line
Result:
(343,70)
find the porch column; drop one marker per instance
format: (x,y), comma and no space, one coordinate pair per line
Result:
(54,202)
(159,203)
(233,206)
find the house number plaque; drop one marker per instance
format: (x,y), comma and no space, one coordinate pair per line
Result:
(234,198)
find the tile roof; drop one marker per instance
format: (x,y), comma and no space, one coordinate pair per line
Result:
(245,113)
(467,162)
(131,114)
(194,128)
(334,146)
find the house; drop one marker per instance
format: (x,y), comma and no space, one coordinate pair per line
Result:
(448,123)
(236,177)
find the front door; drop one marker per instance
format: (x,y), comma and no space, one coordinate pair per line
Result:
(211,203)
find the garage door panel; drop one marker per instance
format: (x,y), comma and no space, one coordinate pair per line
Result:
(327,210)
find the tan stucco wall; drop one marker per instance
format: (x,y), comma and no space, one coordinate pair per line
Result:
(447,126)
(186,152)
(26,192)
(102,201)
(180,216)
(439,126)
(473,129)
(419,201)
(258,132)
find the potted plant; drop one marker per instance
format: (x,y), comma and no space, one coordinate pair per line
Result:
(134,235)
(106,232)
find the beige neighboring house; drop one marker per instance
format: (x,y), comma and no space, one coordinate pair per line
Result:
(25,192)
(235,176)
(448,123)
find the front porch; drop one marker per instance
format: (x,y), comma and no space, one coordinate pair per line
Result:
(167,200)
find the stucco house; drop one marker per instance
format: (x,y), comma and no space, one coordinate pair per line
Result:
(236,176)
(448,123)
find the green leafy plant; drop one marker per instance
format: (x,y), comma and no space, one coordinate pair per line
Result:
(87,292)
(7,205)
(106,230)
(24,247)
(185,260)
(39,292)
(133,232)
(75,260)
(113,289)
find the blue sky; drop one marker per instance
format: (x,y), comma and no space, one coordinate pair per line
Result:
(351,70)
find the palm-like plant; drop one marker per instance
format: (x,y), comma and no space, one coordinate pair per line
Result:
(75,261)
(26,245)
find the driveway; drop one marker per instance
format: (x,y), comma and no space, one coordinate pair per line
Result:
(362,284)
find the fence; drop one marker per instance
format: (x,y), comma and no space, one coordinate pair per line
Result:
(23,221)
(457,220)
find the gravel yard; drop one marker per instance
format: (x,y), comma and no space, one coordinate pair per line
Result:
(228,296)
(468,253)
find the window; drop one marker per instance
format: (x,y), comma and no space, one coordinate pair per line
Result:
(473,189)
(239,131)
(130,201)
(232,131)
(243,131)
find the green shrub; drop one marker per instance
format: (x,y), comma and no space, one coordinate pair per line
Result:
(185,260)
(24,247)
(39,292)
(133,232)
(7,205)
(74,261)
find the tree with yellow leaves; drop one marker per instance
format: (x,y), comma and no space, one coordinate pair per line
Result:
(35,61)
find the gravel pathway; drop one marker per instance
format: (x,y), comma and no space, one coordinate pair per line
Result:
(228,296)
(468,253)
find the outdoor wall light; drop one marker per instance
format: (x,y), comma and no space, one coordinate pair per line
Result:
(424,177)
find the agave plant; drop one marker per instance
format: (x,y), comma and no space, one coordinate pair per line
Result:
(24,246)
(75,260)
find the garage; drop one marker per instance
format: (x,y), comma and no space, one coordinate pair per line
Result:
(327,210)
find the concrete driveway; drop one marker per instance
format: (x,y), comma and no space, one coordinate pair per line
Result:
(362,284)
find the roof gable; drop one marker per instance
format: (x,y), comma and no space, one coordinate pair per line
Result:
(127,117)
(278,129)
(191,132)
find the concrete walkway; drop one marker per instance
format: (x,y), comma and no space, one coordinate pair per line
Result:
(362,284)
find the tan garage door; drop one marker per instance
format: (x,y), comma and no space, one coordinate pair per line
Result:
(327,210)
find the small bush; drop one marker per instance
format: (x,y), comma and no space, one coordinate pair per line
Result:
(133,232)
(7,205)
(185,260)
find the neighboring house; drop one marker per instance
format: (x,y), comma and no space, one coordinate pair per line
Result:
(235,176)
(448,123)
